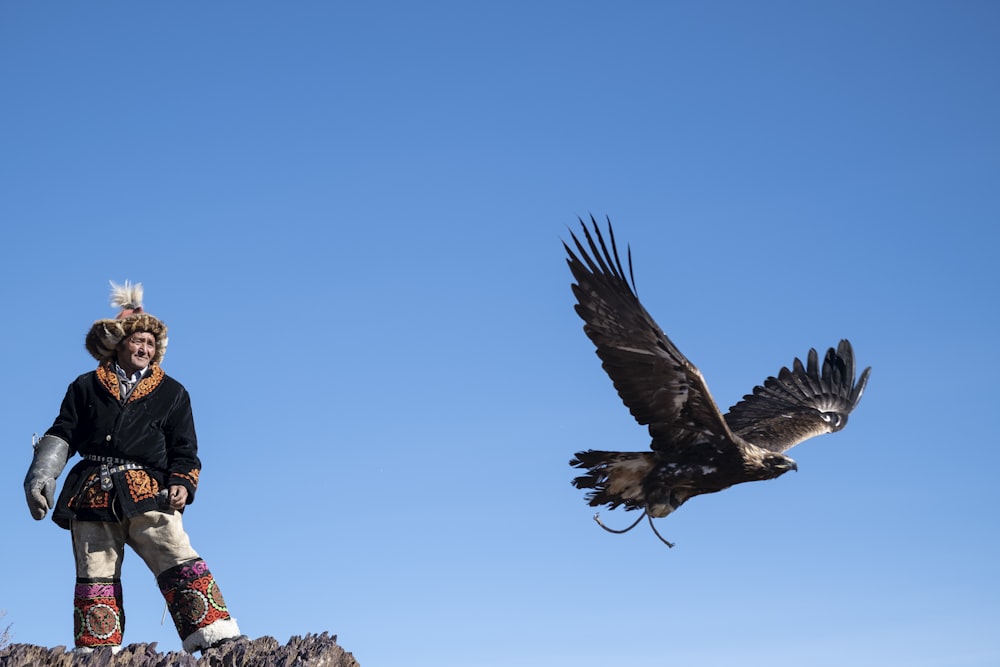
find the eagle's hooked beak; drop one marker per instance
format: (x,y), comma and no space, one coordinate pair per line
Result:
(789,464)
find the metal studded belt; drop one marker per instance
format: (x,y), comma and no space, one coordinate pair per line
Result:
(111,465)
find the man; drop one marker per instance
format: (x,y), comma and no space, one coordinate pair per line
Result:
(133,426)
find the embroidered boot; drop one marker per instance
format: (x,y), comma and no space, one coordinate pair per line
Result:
(196,605)
(99,619)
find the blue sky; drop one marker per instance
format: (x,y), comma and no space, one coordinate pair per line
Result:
(350,216)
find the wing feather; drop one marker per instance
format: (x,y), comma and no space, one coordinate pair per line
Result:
(800,403)
(659,386)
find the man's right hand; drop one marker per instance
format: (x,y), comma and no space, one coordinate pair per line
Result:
(41,496)
(50,458)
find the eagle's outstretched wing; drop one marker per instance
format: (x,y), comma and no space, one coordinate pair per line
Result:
(660,387)
(800,403)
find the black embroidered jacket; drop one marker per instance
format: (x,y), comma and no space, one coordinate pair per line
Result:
(154,428)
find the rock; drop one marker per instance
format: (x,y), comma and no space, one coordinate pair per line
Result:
(309,651)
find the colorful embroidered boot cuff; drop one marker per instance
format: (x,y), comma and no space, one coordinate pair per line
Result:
(195,604)
(98,618)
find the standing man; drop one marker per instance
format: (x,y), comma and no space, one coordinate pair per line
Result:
(133,426)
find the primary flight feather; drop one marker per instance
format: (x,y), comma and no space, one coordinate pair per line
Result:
(695,448)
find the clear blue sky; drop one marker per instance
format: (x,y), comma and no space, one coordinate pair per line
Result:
(350,215)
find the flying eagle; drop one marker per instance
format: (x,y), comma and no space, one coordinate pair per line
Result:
(695,448)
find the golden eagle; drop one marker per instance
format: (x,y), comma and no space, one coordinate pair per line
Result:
(695,448)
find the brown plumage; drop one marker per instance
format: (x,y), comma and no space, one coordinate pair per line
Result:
(695,448)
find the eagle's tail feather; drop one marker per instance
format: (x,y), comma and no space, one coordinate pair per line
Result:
(614,478)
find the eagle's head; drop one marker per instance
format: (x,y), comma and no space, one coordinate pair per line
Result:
(773,464)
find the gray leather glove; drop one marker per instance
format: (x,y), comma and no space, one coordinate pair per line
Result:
(51,454)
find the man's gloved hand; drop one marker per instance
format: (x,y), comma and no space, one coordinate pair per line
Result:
(50,458)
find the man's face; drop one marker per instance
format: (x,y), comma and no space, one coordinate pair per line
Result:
(136,351)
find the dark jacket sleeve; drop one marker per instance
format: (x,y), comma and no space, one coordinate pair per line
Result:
(66,422)
(183,464)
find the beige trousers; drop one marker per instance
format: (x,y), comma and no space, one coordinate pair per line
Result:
(158,537)
(196,604)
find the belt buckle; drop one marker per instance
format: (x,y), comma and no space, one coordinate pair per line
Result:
(106,484)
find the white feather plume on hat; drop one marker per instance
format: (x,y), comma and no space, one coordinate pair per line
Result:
(104,335)
(125,296)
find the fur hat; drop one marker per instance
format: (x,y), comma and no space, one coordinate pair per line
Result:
(104,336)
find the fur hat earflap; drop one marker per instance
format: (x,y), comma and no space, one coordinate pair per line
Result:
(104,335)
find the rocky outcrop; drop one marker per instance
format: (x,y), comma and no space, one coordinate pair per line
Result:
(309,651)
